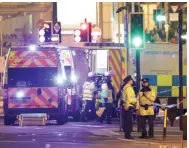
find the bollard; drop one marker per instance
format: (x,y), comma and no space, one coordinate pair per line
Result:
(165,124)
(20,120)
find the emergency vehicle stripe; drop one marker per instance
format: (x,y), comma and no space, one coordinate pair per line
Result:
(114,79)
(46,97)
(14,54)
(49,92)
(35,62)
(49,62)
(123,61)
(37,101)
(115,63)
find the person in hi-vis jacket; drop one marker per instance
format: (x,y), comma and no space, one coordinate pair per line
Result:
(107,97)
(129,102)
(89,90)
(145,109)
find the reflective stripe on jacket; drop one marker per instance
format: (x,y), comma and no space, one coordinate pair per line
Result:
(88,90)
(146,100)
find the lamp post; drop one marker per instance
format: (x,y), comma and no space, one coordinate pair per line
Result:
(180,66)
(1,41)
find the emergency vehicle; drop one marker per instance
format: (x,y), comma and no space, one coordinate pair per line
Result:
(34,82)
(160,64)
(76,68)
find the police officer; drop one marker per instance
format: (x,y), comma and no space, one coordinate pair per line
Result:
(129,99)
(107,94)
(146,98)
(89,90)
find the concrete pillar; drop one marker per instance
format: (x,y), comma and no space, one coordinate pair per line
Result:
(104,19)
(118,23)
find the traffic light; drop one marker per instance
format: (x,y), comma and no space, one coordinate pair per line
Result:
(77,35)
(45,33)
(157,15)
(84,33)
(137,36)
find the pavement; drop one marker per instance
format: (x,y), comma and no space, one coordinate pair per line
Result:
(82,135)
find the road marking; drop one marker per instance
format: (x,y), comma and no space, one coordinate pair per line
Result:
(90,125)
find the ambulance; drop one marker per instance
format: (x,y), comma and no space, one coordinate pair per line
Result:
(34,82)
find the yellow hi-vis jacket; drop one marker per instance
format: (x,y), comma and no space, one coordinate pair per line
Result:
(106,93)
(88,90)
(129,97)
(149,100)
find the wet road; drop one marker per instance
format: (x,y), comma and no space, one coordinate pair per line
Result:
(75,135)
(70,135)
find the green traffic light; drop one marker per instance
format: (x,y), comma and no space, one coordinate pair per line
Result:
(137,41)
(160,18)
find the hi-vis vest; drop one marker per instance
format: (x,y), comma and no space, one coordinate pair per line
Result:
(106,93)
(88,90)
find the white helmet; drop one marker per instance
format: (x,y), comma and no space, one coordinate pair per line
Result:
(109,73)
(91,74)
(106,73)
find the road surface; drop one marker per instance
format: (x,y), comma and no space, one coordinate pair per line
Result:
(75,135)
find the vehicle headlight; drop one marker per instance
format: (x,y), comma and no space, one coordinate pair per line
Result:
(20,94)
(73,78)
(59,80)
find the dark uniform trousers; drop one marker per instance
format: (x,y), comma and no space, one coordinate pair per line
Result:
(107,113)
(127,121)
(86,106)
(150,119)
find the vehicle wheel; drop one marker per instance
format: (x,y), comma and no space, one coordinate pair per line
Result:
(7,120)
(66,118)
(76,116)
(60,121)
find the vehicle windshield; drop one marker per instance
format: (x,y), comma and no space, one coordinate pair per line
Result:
(32,77)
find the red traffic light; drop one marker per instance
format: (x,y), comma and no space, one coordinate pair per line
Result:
(84,26)
(77,32)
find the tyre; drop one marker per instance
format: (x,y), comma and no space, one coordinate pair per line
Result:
(62,120)
(8,120)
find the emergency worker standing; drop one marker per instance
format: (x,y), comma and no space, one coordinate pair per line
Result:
(146,98)
(89,90)
(129,99)
(107,94)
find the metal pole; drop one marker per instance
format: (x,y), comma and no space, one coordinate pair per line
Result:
(1,41)
(118,25)
(138,78)
(180,67)
(54,13)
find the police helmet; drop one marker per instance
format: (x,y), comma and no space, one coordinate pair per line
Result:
(128,78)
(145,80)
(91,74)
